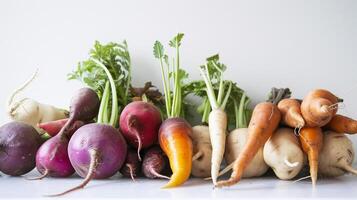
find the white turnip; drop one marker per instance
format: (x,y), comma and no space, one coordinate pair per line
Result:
(336,156)
(202,151)
(282,152)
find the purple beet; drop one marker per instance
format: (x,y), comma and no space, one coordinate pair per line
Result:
(131,166)
(154,163)
(96,151)
(140,123)
(18,145)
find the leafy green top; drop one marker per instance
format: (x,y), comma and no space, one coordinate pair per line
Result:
(108,65)
(238,116)
(172,77)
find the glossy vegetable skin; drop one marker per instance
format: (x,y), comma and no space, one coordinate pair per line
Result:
(175,142)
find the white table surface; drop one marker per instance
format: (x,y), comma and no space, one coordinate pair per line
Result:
(116,187)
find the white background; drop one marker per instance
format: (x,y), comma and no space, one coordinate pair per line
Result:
(301,44)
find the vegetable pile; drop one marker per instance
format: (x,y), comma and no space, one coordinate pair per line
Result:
(113,127)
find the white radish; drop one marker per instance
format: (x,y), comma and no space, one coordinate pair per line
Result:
(202,151)
(282,152)
(32,112)
(336,156)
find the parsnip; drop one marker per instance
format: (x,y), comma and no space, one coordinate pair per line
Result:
(32,112)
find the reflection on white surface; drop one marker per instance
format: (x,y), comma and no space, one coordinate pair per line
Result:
(116,187)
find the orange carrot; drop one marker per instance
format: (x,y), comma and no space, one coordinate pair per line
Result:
(291,113)
(264,121)
(311,142)
(342,124)
(174,132)
(175,142)
(318,107)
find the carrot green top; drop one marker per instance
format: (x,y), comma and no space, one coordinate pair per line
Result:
(171,76)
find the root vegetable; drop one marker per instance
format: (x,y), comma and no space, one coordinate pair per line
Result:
(202,151)
(54,127)
(18,145)
(217,119)
(32,112)
(235,143)
(318,107)
(311,142)
(96,151)
(336,156)
(342,124)
(291,113)
(132,165)
(175,142)
(174,132)
(140,123)
(265,119)
(52,158)
(282,152)
(154,163)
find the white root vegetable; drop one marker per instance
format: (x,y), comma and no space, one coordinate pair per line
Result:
(202,152)
(336,156)
(32,112)
(282,152)
(234,145)
(217,119)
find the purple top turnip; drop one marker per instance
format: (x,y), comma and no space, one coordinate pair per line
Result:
(52,158)
(96,151)
(18,145)
(140,123)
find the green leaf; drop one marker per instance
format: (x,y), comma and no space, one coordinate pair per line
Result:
(158,50)
(176,41)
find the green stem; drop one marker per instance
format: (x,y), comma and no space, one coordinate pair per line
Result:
(210,92)
(166,90)
(224,103)
(246,114)
(127,83)
(236,112)
(104,104)
(241,112)
(115,108)
(206,111)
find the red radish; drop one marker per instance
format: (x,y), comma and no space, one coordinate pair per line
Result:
(96,151)
(54,127)
(84,106)
(154,163)
(140,123)
(131,167)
